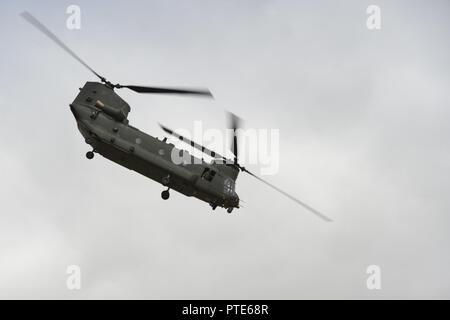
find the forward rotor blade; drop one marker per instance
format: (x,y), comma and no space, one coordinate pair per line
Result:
(234,124)
(36,23)
(142,89)
(317,213)
(195,145)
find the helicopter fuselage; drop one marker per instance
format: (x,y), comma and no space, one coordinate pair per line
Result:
(101,117)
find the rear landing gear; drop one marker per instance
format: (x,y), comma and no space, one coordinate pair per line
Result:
(230,210)
(90,155)
(165,194)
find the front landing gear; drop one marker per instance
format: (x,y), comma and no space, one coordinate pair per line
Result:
(230,210)
(90,155)
(165,194)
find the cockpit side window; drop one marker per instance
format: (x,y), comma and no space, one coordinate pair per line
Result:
(208,174)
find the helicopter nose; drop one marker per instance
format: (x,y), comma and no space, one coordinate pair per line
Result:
(234,200)
(74,112)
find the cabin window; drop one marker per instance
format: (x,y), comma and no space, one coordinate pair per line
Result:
(208,174)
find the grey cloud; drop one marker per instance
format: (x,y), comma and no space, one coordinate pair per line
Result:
(364,137)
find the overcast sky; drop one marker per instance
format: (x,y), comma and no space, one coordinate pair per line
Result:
(364,137)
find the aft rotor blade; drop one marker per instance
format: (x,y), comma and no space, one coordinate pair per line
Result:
(162,90)
(195,145)
(36,23)
(317,213)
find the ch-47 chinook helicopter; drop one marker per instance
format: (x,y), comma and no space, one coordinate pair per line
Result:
(102,119)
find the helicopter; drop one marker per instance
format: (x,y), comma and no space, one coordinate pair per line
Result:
(102,119)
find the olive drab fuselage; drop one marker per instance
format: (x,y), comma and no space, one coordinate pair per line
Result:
(101,117)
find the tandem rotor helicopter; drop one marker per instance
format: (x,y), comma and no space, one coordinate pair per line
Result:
(102,119)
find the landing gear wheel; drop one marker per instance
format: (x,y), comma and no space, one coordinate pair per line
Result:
(165,194)
(230,210)
(89,155)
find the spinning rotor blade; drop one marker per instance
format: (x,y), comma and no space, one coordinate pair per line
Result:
(195,145)
(317,213)
(142,89)
(36,23)
(234,123)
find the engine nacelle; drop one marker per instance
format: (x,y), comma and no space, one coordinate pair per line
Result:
(116,113)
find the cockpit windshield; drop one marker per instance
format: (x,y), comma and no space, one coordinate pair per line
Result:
(228,186)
